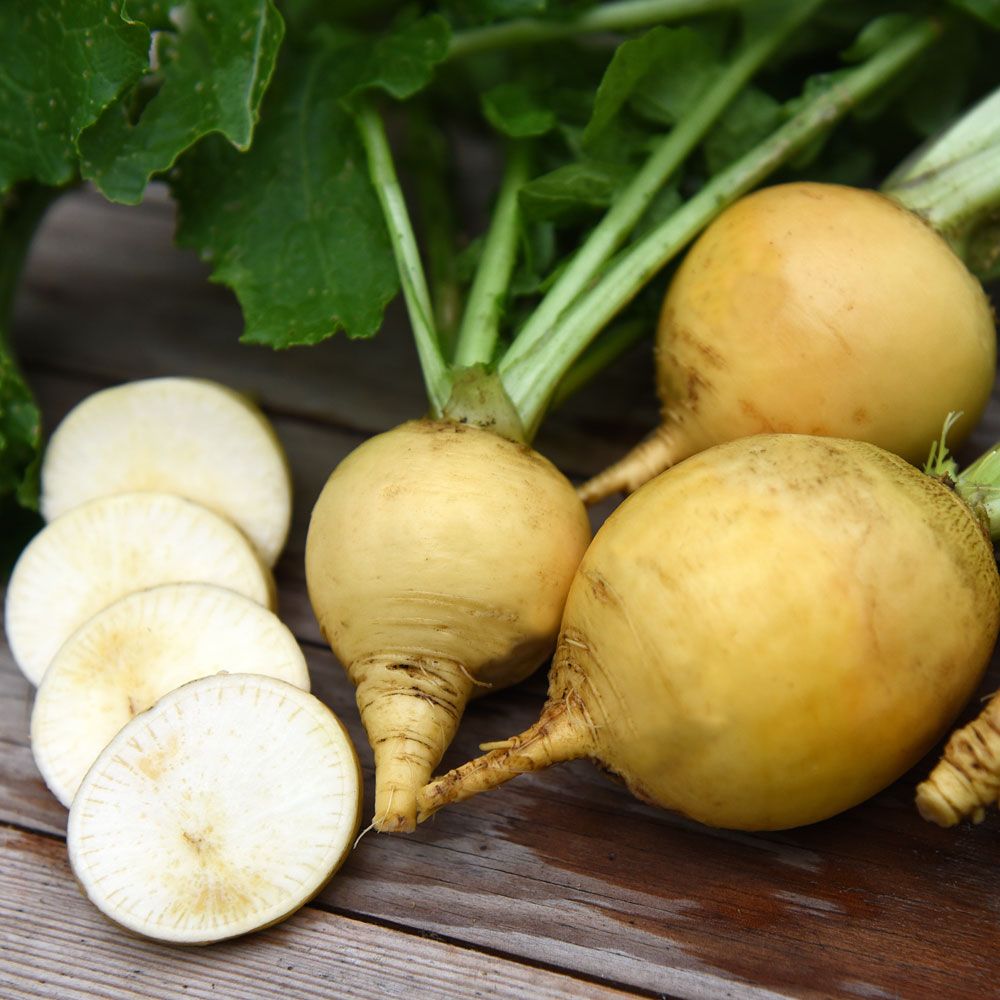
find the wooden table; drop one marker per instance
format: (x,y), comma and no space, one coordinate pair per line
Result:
(559,885)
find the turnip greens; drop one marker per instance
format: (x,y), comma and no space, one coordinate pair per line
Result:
(618,129)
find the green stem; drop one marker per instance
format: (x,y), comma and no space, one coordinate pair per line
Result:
(531,381)
(954,182)
(978,484)
(608,348)
(480,329)
(437,378)
(429,165)
(625,15)
(979,487)
(611,232)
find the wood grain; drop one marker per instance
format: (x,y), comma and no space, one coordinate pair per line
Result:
(53,943)
(564,868)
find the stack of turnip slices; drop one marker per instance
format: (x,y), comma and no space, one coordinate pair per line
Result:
(210,794)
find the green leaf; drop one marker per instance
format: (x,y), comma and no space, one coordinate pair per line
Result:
(875,34)
(214,66)
(987,11)
(663,205)
(812,88)
(20,435)
(938,91)
(515,110)
(486,11)
(61,65)
(20,421)
(467,260)
(292,226)
(536,259)
(573,191)
(672,88)
(751,117)
(667,69)
(400,61)
(844,160)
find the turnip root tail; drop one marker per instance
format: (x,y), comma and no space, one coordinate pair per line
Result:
(967,778)
(647,459)
(410,711)
(560,734)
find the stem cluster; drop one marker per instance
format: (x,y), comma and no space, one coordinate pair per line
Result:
(549,354)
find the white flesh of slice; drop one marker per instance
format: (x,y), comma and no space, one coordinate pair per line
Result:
(219,811)
(187,436)
(135,651)
(105,549)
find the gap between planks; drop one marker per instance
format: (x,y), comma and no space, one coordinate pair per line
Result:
(54,944)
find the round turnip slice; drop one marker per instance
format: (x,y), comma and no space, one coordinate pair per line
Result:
(107,548)
(187,436)
(219,811)
(128,656)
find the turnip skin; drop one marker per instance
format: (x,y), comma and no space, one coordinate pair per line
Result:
(438,561)
(764,636)
(816,309)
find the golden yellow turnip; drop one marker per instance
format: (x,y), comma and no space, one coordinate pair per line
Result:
(438,561)
(765,635)
(815,309)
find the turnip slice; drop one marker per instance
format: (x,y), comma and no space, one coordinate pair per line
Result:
(105,549)
(187,436)
(125,658)
(219,811)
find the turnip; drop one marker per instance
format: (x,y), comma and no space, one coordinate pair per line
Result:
(121,661)
(104,549)
(438,560)
(219,811)
(829,310)
(764,636)
(440,553)
(187,436)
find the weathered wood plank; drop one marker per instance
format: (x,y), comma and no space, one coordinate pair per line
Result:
(54,944)
(566,869)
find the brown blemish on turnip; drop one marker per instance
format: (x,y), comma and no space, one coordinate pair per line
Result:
(710,354)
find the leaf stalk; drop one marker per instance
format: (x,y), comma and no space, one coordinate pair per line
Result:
(954,182)
(480,329)
(613,229)
(437,377)
(624,15)
(531,378)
